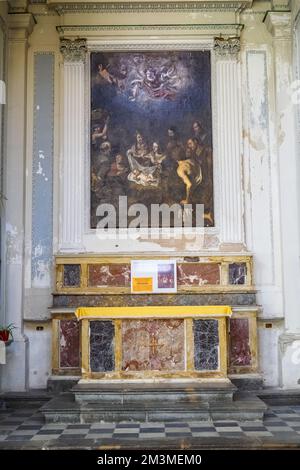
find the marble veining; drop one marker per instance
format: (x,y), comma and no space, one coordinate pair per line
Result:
(102,346)
(237,273)
(206,344)
(198,274)
(130,300)
(240,353)
(68,343)
(101,275)
(152,345)
(72,275)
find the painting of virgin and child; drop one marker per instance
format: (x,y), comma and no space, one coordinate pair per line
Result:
(151,130)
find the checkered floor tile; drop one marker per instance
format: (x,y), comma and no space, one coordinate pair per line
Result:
(28,425)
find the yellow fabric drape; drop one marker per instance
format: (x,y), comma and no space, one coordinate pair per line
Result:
(166,311)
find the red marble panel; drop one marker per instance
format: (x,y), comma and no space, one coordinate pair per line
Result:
(240,353)
(198,274)
(152,345)
(69,343)
(103,275)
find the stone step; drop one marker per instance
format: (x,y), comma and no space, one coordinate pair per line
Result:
(198,393)
(280,397)
(64,409)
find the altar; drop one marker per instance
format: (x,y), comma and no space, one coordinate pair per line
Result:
(101,331)
(150,357)
(150,342)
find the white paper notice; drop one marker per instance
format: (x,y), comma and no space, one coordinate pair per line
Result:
(153,276)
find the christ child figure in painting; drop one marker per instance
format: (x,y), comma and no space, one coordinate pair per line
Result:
(145,167)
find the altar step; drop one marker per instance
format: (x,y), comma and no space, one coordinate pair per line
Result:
(200,393)
(92,403)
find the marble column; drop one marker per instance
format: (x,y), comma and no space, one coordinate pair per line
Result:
(14,374)
(229,138)
(72,146)
(279,25)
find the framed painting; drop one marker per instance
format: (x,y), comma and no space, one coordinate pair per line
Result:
(151,131)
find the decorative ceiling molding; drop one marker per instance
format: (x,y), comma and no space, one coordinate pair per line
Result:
(217,28)
(137,6)
(138,45)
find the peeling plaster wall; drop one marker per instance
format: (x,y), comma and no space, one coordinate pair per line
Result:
(42,167)
(3,73)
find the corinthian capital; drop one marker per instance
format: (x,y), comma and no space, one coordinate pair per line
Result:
(73,50)
(227,47)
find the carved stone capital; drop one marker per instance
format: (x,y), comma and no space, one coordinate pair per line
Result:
(229,47)
(73,50)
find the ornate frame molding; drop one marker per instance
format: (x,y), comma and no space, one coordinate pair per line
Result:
(147,45)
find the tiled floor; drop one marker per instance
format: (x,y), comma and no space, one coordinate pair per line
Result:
(28,425)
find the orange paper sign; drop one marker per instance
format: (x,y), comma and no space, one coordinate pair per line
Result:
(142,284)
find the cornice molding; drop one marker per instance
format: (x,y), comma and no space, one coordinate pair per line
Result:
(137,6)
(278,23)
(69,29)
(138,45)
(18,6)
(20,24)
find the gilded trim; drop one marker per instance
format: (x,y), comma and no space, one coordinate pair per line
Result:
(222,346)
(85,347)
(118,345)
(55,344)
(189,341)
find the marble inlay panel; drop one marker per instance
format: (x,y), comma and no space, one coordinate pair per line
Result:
(135,300)
(71,275)
(240,353)
(102,335)
(206,344)
(237,273)
(69,343)
(101,275)
(198,274)
(153,345)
